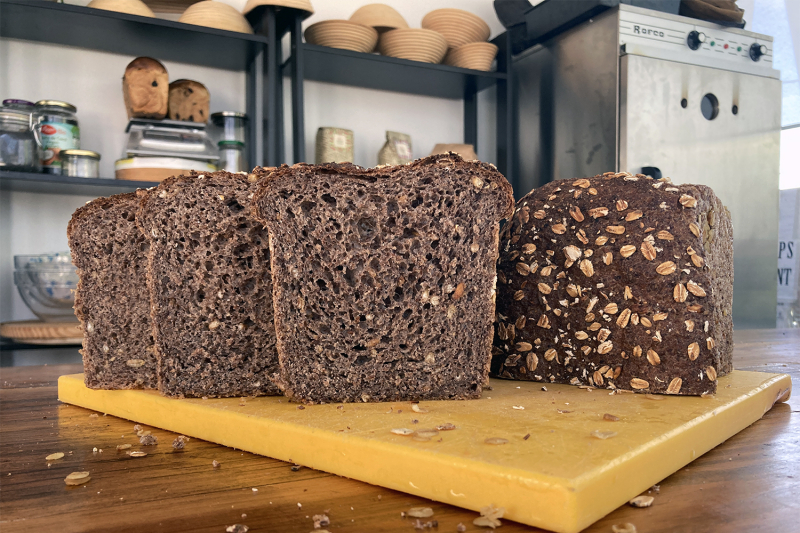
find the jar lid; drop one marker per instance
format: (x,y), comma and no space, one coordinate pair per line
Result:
(18,103)
(79,153)
(56,103)
(230,144)
(226,114)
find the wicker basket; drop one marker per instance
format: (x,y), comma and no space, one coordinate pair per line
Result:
(342,34)
(216,15)
(379,16)
(414,44)
(131,7)
(459,27)
(476,56)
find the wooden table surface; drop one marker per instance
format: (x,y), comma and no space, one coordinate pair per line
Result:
(749,483)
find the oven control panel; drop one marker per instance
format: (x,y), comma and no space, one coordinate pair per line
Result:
(695,40)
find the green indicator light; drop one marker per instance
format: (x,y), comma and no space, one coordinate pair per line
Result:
(738,48)
(712,43)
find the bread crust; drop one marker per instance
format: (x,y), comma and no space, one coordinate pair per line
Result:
(617,281)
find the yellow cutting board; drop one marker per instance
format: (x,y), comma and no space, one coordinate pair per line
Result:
(559,478)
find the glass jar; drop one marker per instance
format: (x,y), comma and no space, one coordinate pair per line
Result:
(231,125)
(80,163)
(231,156)
(56,128)
(18,147)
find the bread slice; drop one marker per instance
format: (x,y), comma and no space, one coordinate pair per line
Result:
(384,278)
(111,299)
(210,286)
(617,281)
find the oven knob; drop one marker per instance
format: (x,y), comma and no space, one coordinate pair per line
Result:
(695,39)
(757,50)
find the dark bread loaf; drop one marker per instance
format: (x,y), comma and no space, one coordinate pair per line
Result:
(384,278)
(617,281)
(210,287)
(112,301)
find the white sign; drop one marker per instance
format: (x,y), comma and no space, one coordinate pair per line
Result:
(789,246)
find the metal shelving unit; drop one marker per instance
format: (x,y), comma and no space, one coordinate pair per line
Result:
(373,71)
(56,184)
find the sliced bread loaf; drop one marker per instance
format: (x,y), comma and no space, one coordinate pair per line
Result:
(384,278)
(111,300)
(210,286)
(617,281)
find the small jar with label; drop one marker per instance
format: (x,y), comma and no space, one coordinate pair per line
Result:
(231,156)
(56,128)
(80,163)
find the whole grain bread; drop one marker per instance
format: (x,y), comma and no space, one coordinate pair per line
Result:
(384,278)
(210,285)
(111,300)
(617,281)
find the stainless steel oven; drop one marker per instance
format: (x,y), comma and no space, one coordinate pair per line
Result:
(643,91)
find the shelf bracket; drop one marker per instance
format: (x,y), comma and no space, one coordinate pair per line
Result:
(471,112)
(298,103)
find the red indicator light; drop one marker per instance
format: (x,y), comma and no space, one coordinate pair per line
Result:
(726,47)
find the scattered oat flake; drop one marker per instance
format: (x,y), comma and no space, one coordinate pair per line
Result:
(496,440)
(77,478)
(490,516)
(237,528)
(180,442)
(427,433)
(148,440)
(54,456)
(93,415)
(256,490)
(321,520)
(563,411)
(403,431)
(642,501)
(518,407)
(138,454)
(417,409)
(610,417)
(446,427)
(461,528)
(123,447)
(215,463)
(420,512)
(624,528)
(603,435)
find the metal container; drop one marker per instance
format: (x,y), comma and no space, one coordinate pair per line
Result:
(231,125)
(56,128)
(231,156)
(80,163)
(642,91)
(18,147)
